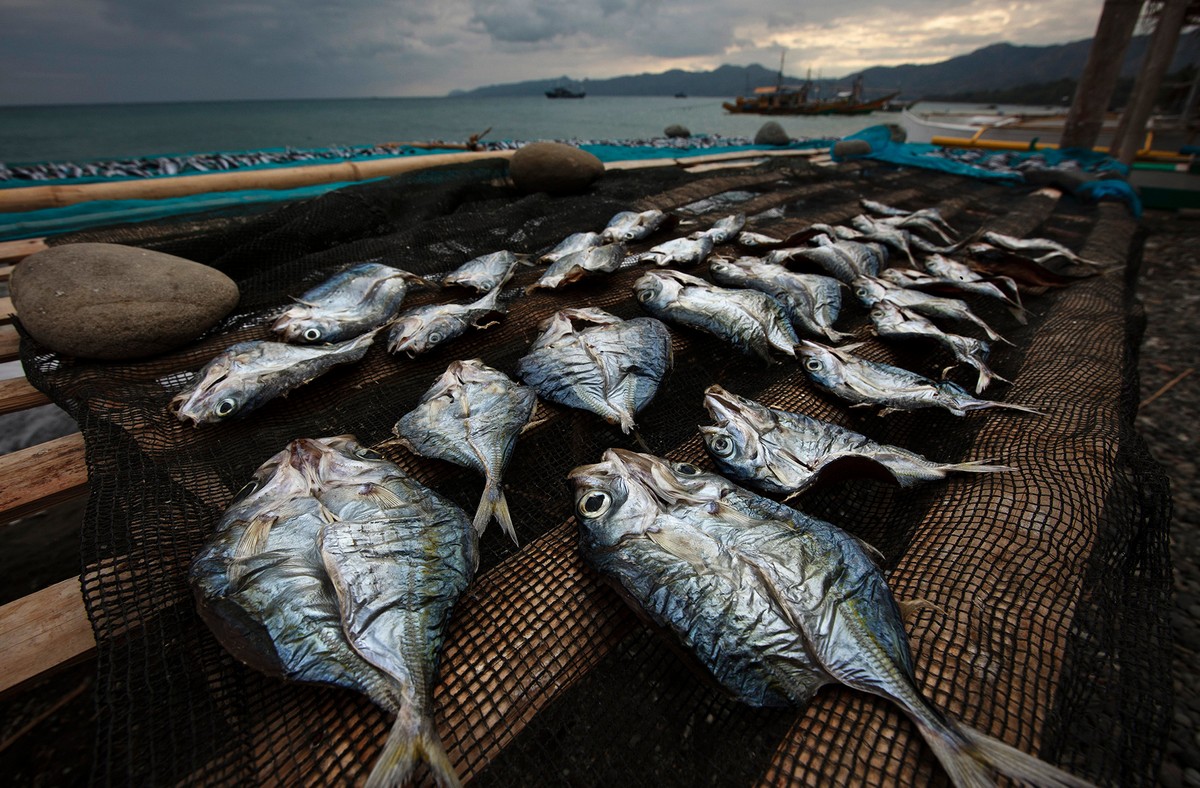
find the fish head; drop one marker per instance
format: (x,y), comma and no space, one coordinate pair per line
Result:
(884,312)
(626,492)
(419,333)
(822,363)
(735,440)
(656,289)
(868,290)
(279,479)
(219,395)
(302,325)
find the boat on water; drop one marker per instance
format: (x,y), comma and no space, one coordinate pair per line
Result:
(561,92)
(783,99)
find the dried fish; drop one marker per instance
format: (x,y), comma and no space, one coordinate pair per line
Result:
(421,329)
(352,302)
(577,265)
(811,301)
(484,273)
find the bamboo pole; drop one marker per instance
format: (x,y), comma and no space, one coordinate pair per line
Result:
(1132,127)
(34,198)
(1117,21)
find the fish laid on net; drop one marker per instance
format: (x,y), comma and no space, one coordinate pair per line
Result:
(348,304)
(775,604)
(334,567)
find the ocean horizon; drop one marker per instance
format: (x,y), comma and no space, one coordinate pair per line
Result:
(85,132)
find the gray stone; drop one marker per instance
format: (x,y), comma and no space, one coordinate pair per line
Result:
(554,168)
(109,301)
(851,148)
(771,133)
(676,130)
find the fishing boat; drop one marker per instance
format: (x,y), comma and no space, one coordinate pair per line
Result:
(793,100)
(561,92)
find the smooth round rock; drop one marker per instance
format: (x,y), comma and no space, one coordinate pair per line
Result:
(109,301)
(771,133)
(554,168)
(851,148)
(677,130)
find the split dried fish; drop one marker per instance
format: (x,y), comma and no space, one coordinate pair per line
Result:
(421,329)
(864,383)
(871,291)
(630,226)
(247,375)
(751,321)
(576,242)
(680,251)
(786,452)
(352,302)
(811,301)
(577,265)
(612,368)
(893,322)
(484,273)
(471,416)
(773,603)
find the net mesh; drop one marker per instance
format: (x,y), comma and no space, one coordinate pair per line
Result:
(1048,585)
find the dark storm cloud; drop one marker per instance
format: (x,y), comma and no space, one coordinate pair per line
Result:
(147,50)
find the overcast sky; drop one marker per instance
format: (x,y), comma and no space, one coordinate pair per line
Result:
(65,51)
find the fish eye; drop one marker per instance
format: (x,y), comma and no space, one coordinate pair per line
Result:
(646,294)
(861,292)
(722,445)
(876,313)
(312,334)
(368,454)
(226,407)
(686,469)
(246,491)
(594,504)
(435,337)
(812,364)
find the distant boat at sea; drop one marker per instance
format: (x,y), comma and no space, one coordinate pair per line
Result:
(561,92)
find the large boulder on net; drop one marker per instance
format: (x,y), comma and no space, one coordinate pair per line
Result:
(110,301)
(554,168)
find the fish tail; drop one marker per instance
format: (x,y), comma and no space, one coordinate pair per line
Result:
(975,466)
(971,757)
(404,748)
(493,503)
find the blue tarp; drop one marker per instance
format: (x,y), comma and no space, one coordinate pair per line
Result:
(1104,175)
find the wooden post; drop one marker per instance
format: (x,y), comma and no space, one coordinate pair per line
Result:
(1099,77)
(1131,129)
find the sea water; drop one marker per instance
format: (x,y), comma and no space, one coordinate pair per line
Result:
(100,131)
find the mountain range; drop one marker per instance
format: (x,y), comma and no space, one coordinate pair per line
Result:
(994,67)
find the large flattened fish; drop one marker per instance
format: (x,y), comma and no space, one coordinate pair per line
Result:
(751,321)
(781,451)
(863,382)
(333,567)
(773,603)
(471,416)
(249,374)
(612,368)
(399,556)
(352,302)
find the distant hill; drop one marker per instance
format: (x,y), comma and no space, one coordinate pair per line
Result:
(995,67)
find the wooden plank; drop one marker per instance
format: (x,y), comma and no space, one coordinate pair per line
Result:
(17,394)
(6,311)
(12,251)
(10,344)
(41,476)
(6,272)
(46,629)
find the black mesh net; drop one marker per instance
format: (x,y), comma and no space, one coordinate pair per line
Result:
(1048,585)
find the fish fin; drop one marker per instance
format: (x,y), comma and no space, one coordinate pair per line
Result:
(970,758)
(403,749)
(976,466)
(1022,408)
(493,503)
(910,607)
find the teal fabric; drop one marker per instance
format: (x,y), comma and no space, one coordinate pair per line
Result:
(1109,173)
(48,221)
(628,152)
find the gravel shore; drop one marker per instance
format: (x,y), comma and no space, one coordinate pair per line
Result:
(1169,288)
